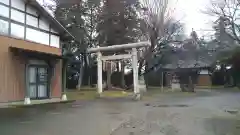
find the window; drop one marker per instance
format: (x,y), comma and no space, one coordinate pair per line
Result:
(3,27)
(17,30)
(32,11)
(37,36)
(33,21)
(203,72)
(17,16)
(55,41)
(43,24)
(32,75)
(5,2)
(4,11)
(19,4)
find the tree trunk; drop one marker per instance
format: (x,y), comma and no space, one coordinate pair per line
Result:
(89,80)
(64,76)
(122,74)
(183,87)
(80,74)
(118,68)
(140,67)
(89,76)
(108,85)
(182,82)
(145,76)
(87,69)
(190,85)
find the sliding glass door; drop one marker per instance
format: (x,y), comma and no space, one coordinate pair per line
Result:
(38,82)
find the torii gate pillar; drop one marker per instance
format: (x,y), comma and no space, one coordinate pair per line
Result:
(135,71)
(99,72)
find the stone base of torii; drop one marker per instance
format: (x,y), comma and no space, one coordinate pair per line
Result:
(138,82)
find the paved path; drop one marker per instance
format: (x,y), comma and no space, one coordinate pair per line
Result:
(203,113)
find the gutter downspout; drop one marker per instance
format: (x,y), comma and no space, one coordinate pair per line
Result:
(63,76)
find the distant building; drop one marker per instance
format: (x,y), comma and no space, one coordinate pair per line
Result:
(185,60)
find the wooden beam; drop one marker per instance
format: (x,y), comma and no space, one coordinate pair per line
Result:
(119,47)
(117,57)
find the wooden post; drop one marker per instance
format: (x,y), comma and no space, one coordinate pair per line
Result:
(99,67)
(64,81)
(135,70)
(162,80)
(27,99)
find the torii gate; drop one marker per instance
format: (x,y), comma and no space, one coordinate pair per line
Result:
(133,55)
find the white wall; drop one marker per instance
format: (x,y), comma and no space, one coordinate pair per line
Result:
(204,72)
(55,41)
(37,26)
(37,36)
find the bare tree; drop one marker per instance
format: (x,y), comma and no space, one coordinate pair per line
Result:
(227,12)
(159,27)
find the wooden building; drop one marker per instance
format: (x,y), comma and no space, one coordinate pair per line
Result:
(204,78)
(186,61)
(30,53)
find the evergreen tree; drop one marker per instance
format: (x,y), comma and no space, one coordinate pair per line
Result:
(118,23)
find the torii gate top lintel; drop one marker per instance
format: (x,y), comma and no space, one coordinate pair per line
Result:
(119,47)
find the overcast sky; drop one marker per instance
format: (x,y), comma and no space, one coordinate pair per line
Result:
(193,17)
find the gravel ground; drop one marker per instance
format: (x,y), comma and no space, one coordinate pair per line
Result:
(201,113)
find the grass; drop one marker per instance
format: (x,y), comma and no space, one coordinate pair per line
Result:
(152,91)
(34,104)
(85,88)
(165,90)
(116,94)
(210,87)
(197,87)
(81,95)
(218,88)
(160,89)
(87,94)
